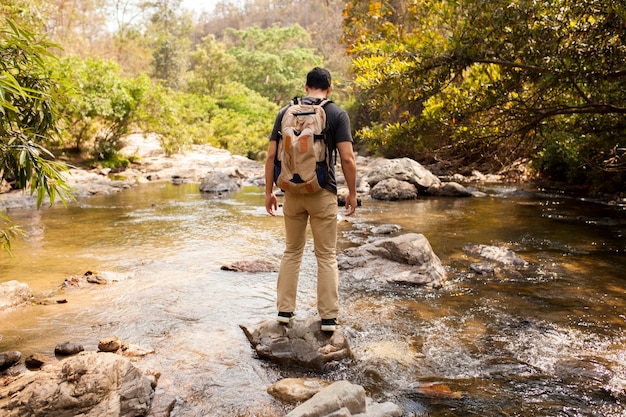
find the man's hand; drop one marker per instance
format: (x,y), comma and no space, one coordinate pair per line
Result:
(271,204)
(351,204)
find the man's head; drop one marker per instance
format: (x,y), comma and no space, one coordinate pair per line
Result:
(318,79)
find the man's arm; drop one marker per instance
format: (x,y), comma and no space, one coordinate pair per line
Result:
(348,166)
(271,204)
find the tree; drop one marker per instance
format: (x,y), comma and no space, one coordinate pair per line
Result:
(274,61)
(493,81)
(77,24)
(169,33)
(105,110)
(28,97)
(210,66)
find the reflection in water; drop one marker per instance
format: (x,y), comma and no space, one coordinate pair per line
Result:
(544,341)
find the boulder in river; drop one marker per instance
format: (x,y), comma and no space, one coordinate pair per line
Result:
(495,253)
(344,399)
(401,169)
(449,189)
(406,259)
(221,181)
(68,348)
(8,359)
(391,189)
(14,294)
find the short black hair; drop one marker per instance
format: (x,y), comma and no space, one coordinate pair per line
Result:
(318,78)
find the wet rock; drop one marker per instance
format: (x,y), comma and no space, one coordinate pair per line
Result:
(343,399)
(495,253)
(95,277)
(87,183)
(483,269)
(386,409)
(434,390)
(107,277)
(296,390)
(89,384)
(342,195)
(134,351)
(256,265)
(68,348)
(110,344)
(405,259)
(469,175)
(342,395)
(13,294)
(386,229)
(401,169)
(8,359)
(36,361)
(220,182)
(391,189)
(162,405)
(449,189)
(299,343)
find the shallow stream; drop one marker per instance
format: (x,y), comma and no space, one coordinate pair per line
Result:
(547,340)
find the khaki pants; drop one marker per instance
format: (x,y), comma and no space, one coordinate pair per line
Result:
(321,210)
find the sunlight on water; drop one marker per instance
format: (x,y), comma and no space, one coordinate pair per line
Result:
(546,340)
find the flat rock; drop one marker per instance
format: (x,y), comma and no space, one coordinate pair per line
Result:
(254,265)
(300,343)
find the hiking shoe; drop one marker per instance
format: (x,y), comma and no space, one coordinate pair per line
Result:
(284,317)
(329,325)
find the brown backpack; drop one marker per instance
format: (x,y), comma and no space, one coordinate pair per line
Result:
(302,163)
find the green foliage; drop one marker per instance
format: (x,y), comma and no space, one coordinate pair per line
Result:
(28,97)
(273,61)
(8,232)
(210,65)
(103,108)
(236,119)
(179,119)
(493,81)
(169,32)
(28,117)
(244,122)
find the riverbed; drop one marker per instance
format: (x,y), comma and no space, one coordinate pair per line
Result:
(546,340)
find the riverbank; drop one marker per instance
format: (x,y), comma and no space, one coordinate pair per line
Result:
(152,164)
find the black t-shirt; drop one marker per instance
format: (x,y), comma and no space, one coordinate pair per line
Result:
(337,130)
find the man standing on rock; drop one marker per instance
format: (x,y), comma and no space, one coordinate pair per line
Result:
(319,208)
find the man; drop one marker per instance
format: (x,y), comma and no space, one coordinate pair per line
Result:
(320,209)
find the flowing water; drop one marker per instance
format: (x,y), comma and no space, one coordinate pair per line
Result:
(547,340)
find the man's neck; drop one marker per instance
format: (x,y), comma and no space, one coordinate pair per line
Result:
(315,93)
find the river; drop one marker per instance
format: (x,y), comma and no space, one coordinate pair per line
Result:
(547,340)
